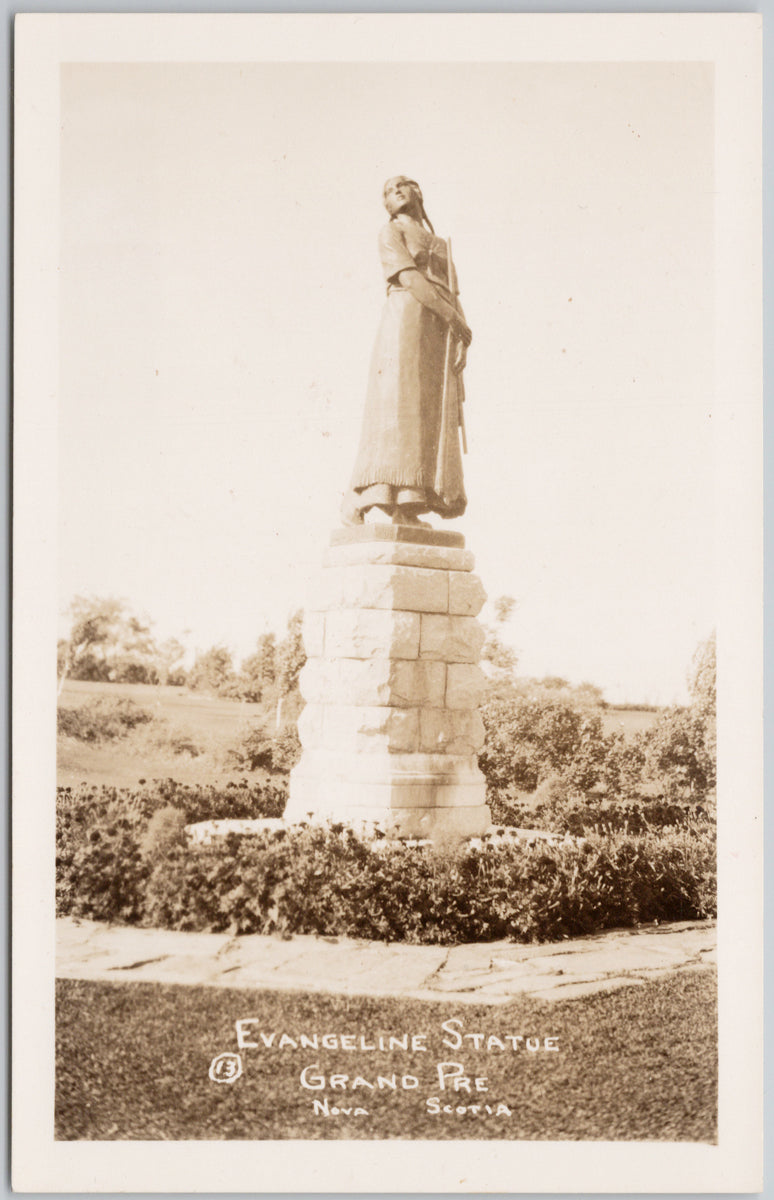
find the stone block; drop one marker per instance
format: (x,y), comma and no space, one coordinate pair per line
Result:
(374,681)
(450,639)
(450,731)
(371,633)
(381,532)
(333,784)
(442,558)
(464,685)
(466,594)
(370,728)
(379,585)
(311,726)
(313,633)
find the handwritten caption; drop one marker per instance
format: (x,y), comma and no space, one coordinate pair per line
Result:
(459,1090)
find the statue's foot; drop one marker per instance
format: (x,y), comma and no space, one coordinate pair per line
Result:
(401,517)
(351,516)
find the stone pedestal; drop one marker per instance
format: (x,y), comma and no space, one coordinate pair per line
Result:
(391,729)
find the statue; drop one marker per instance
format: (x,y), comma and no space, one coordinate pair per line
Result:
(409,460)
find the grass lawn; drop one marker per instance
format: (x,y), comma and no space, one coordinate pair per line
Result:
(214,725)
(635,1064)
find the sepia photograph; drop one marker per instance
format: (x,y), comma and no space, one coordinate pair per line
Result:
(388,602)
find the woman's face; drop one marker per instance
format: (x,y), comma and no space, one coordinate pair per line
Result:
(401,195)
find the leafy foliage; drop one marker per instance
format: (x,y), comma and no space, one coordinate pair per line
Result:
(212,670)
(107,641)
(121,857)
(103,719)
(533,734)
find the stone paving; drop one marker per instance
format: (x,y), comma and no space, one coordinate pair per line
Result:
(481,973)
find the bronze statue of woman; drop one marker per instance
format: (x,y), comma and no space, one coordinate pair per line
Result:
(409,460)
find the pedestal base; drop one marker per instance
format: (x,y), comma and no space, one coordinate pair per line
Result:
(391,730)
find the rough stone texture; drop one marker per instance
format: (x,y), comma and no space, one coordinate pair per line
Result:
(464,685)
(390,732)
(442,558)
(367,729)
(371,633)
(311,725)
(376,585)
(450,639)
(477,973)
(396,806)
(375,681)
(313,633)
(466,594)
(324,783)
(451,732)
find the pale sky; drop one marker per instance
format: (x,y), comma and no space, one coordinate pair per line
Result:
(220,294)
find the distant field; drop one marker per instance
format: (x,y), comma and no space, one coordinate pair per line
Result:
(628,721)
(212,723)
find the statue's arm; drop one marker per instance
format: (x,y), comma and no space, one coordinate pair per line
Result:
(422,290)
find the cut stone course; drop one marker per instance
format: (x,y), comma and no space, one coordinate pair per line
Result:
(464,685)
(454,732)
(376,585)
(374,681)
(310,725)
(313,633)
(442,558)
(368,729)
(371,633)
(466,594)
(390,731)
(450,639)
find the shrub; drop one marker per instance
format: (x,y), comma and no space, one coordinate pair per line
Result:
(99,865)
(165,830)
(259,749)
(679,752)
(100,830)
(328,881)
(122,857)
(103,719)
(539,732)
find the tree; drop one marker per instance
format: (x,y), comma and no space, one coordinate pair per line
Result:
(258,672)
(95,630)
(501,657)
(212,670)
(681,748)
(136,653)
(538,732)
(291,657)
(169,655)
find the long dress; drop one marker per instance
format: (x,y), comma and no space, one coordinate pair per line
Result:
(409,446)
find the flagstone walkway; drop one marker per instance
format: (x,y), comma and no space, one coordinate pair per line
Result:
(481,973)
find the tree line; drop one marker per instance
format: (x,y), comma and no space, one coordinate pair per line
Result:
(108,643)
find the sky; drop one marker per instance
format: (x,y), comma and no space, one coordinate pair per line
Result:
(220,292)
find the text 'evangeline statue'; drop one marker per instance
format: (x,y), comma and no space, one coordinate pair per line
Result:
(409,460)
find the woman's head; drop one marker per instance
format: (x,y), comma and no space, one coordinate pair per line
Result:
(402,194)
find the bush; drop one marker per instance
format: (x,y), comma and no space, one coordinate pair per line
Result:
(122,857)
(104,836)
(276,752)
(101,720)
(328,881)
(539,732)
(679,752)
